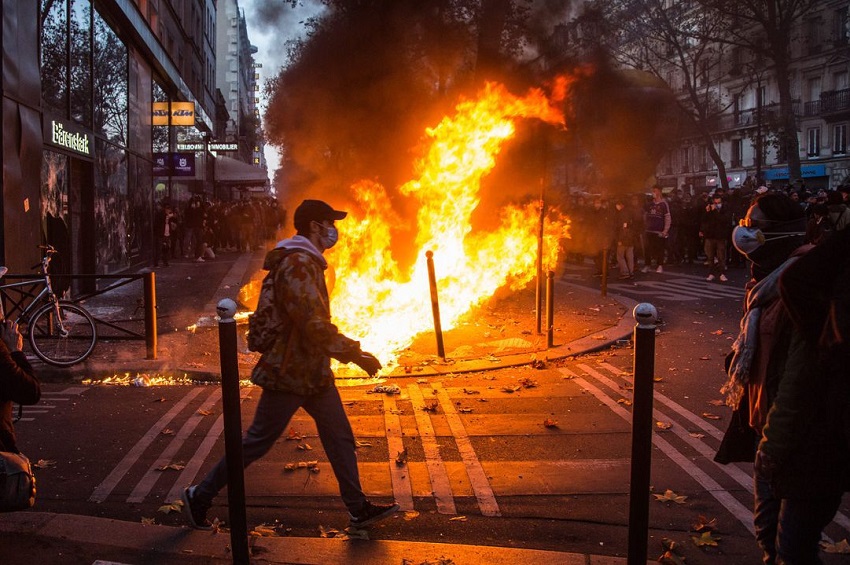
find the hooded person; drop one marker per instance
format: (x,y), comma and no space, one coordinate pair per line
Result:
(296,373)
(770,370)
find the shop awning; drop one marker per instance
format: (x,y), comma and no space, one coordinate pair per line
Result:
(233,172)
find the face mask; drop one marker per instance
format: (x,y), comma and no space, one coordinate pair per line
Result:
(748,240)
(330,237)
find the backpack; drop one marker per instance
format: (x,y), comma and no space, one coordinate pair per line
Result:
(266,324)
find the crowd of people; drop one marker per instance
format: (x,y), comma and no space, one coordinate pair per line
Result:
(678,227)
(200,228)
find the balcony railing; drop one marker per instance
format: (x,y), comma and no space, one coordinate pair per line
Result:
(833,101)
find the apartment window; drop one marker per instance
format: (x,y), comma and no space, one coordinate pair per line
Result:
(839,81)
(737,152)
(839,139)
(814,142)
(813,35)
(840,27)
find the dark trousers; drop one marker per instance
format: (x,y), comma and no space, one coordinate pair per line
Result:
(655,245)
(274,410)
(788,530)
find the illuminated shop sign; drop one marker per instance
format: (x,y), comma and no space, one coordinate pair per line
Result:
(211,146)
(174,164)
(68,136)
(182,113)
(223,146)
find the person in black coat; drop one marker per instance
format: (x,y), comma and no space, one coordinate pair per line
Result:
(17,382)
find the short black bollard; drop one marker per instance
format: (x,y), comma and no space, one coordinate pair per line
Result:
(550,309)
(232,430)
(644,361)
(435,304)
(150,315)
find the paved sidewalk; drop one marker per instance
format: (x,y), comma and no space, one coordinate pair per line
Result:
(187,293)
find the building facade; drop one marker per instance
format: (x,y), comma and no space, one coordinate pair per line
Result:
(93,92)
(744,134)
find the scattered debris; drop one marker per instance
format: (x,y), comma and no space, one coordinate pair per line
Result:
(431,405)
(172,467)
(624,402)
(670,496)
(550,423)
(385,389)
(401,458)
(527,382)
(175,506)
(704,524)
(44,463)
(672,553)
(705,539)
(663,425)
(710,416)
(362,444)
(840,547)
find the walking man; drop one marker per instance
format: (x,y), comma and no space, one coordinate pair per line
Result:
(657,224)
(295,372)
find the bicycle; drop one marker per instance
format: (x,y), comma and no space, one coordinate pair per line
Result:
(59,332)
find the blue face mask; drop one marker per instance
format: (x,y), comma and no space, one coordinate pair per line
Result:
(748,240)
(330,238)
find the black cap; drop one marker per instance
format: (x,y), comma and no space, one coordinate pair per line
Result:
(314,211)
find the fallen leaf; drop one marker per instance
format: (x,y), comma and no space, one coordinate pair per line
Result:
(670,496)
(362,444)
(290,467)
(160,399)
(657,379)
(839,547)
(717,402)
(294,436)
(704,524)
(672,554)
(470,391)
(663,425)
(705,358)
(264,531)
(176,506)
(167,432)
(458,519)
(204,412)
(410,515)
(44,463)
(550,423)
(172,467)
(624,402)
(465,410)
(717,332)
(511,388)
(696,435)
(431,406)
(705,540)
(356,533)
(401,458)
(148,521)
(304,447)
(710,416)
(528,383)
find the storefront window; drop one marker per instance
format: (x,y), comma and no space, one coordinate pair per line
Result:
(110,84)
(54,62)
(81,62)
(111,217)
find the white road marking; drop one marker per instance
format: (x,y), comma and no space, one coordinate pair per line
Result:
(102,491)
(400,474)
(477,477)
(440,483)
(153,473)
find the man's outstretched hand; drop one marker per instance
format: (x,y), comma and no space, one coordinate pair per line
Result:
(368,363)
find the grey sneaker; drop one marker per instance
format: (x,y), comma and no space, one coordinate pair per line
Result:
(195,510)
(371,513)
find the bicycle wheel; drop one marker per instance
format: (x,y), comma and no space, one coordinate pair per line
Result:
(59,348)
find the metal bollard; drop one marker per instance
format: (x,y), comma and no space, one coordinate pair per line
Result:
(150,315)
(644,363)
(232,430)
(550,309)
(435,305)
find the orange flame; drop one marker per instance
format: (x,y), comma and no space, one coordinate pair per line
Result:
(373,300)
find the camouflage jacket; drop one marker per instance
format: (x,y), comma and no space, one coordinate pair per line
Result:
(299,361)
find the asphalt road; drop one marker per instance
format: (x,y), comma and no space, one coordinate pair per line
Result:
(520,457)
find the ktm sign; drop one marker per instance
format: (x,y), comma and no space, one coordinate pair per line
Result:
(182,114)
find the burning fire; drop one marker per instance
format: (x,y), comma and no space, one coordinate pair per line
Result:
(373,300)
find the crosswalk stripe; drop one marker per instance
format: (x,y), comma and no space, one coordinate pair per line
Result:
(477,477)
(190,471)
(103,490)
(400,474)
(743,514)
(153,473)
(440,484)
